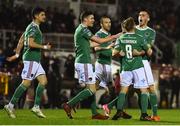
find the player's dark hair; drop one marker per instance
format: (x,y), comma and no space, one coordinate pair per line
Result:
(146,10)
(104,16)
(128,24)
(85,14)
(36,10)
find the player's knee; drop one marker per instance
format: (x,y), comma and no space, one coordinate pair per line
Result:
(43,82)
(26,83)
(144,90)
(152,89)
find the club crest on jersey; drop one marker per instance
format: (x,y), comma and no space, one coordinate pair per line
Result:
(147,34)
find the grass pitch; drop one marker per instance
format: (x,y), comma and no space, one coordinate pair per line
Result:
(83,117)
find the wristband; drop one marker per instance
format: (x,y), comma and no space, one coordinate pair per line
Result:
(17,55)
(45,47)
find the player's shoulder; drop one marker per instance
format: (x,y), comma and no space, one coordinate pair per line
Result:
(151,29)
(32,26)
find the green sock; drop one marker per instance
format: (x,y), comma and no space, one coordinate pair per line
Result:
(112,103)
(120,101)
(39,92)
(144,102)
(80,96)
(93,105)
(153,101)
(18,93)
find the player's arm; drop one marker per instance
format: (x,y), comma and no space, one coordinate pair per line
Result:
(104,40)
(117,51)
(18,49)
(97,48)
(33,44)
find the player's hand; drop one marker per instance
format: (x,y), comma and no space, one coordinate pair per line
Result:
(138,53)
(107,90)
(121,53)
(111,46)
(47,46)
(11,58)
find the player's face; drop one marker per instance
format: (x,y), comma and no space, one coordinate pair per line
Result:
(106,24)
(41,17)
(90,20)
(143,18)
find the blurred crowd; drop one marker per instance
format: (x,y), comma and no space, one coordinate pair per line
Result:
(165,16)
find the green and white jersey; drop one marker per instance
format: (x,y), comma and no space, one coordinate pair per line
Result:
(149,35)
(82,45)
(104,56)
(32,54)
(127,42)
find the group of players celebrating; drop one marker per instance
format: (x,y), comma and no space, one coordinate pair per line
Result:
(132,46)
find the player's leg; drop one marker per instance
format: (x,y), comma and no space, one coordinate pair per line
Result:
(27,75)
(15,98)
(126,80)
(39,92)
(154,103)
(140,82)
(152,93)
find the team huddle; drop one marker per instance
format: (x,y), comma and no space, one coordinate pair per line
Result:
(132,46)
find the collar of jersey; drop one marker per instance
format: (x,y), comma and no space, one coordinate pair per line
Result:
(105,32)
(141,28)
(35,24)
(129,33)
(83,25)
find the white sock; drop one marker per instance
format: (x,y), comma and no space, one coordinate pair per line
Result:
(36,106)
(11,106)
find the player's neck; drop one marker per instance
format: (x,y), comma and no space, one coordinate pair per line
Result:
(36,22)
(143,26)
(104,31)
(84,24)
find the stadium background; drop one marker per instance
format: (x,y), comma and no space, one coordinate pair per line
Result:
(62,19)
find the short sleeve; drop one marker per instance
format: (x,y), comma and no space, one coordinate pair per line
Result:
(32,32)
(117,44)
(87,33)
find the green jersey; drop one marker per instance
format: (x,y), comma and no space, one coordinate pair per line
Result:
(82,45)
(127,42)
(149,35)
(32,54)
(104,56)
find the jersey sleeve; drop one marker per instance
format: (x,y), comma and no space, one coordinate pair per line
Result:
(32,32)
(117,45)
(87,33)
(152,37)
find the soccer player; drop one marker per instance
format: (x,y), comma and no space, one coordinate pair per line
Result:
(149,35)
(104,56)
(132,71)
(103,62)
(83,64)
(32,40)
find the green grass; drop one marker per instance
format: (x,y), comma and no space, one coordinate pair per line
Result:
(83,117)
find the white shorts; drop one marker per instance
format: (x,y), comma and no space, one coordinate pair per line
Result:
(135,77)
(31,70)
(148,72)
(103,73)
(85,73)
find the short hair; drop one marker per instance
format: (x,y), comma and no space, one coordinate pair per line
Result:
(85,14)
(36,10)
(128,24)
(145,10)
(104,16)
